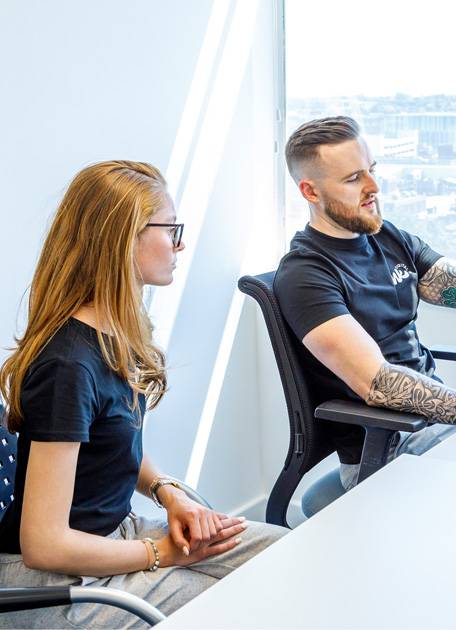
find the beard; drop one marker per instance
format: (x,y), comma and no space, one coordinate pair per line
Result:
(359,220)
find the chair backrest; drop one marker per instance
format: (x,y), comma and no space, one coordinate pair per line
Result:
(8,447)
(308,441)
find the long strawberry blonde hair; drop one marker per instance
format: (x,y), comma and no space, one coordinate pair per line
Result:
(88,257)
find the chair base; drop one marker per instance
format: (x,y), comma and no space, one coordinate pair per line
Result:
(321,493)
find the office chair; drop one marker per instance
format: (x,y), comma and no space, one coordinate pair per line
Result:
(309,442)
(13,599)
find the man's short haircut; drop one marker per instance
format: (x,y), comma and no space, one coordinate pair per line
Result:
(304,143)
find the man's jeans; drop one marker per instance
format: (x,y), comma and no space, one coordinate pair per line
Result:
(410,443)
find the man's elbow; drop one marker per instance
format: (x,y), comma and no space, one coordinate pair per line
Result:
(362,385)
(364,382)
(379,391)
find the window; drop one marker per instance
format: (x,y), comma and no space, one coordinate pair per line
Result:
(389,66)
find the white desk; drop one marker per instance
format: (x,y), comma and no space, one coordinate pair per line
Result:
(382,556)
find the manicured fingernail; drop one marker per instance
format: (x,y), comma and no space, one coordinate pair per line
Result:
(185,551)
(238,540)
(244,525)
(241,518)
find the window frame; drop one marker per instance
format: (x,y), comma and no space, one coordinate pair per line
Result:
(280,118)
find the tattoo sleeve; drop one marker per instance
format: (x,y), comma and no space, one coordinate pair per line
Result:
(438,285)
(403,389)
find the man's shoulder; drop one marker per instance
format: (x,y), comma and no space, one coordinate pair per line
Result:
(302,267)
(390,229)
(398,238)
(392,232)
(302,248)
(301,255)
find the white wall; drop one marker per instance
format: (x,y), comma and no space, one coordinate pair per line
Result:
(237,236)
(82,81)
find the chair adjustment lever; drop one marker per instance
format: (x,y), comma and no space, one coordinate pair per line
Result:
(299,443)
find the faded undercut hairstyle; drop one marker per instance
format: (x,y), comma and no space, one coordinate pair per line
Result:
(88,256)
(304,143)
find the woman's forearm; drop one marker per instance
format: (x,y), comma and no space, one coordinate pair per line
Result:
(80,553)
(148,472)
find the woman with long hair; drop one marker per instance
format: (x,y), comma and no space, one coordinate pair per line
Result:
(76,388)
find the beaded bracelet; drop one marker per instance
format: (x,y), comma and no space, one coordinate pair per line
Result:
(149,555)
(149,543)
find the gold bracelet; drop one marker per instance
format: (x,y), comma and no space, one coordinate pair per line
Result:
(149,555)
(152,489)
(156,564)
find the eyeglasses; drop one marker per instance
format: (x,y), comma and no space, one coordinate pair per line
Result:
(175,232)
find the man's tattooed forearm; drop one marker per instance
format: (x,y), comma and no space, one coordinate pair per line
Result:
(400,388)
(438,285)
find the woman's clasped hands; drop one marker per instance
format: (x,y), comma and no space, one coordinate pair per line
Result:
(197,532)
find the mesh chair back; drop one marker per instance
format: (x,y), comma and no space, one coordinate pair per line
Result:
(309,443)
(8,447)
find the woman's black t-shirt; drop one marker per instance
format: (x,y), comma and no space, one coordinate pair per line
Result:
(69,394)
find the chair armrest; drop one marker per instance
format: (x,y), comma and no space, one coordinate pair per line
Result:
(33,597)
(448,353)
(121,599)
(352,412)
(12,599)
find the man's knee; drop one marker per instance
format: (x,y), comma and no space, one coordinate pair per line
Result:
(349,475)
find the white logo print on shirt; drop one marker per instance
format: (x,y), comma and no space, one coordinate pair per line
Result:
(400,272)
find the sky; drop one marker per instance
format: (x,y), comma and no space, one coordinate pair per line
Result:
(352,47)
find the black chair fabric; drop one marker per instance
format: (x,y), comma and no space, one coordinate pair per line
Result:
(308,443)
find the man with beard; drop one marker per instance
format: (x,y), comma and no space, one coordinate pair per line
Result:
(350,287)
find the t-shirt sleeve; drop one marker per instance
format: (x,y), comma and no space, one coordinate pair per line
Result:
(308,293)
(59,402)
(423,255)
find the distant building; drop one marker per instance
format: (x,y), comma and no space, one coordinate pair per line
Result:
(411,206)
(404,146)
(437,129)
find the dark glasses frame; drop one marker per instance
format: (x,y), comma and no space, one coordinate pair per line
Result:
(176,234)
